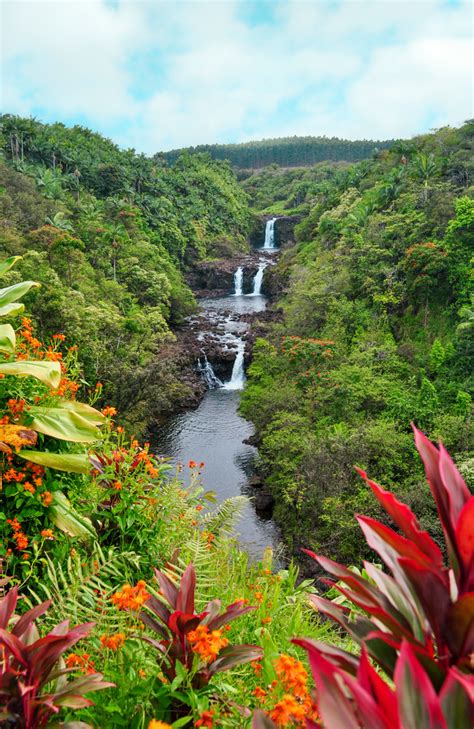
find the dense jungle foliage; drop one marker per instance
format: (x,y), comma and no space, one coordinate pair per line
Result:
(108,233)
(283,151)
(376,331)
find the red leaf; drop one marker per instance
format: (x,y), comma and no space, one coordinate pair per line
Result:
(231,613)
(187,587)
(406,520)
(180,622)
(370,680)
(27,619)
(335,709)
(7,606)
(453,483)
(418,703)
(235,655)
(14,646)
(388,544)
(457,700)
(168,588)
(459,628)
(465,540)
(338,656)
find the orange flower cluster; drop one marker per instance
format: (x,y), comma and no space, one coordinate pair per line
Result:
(18,536)
(46,498)
(47,534)
(74,660)
(205,720)
(154,724)
(113,642)
(206,643)
(16,407)
(296,704)
(131,598)
(33,473)
(109,411)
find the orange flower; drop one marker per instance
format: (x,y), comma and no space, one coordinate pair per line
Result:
(192,464)
(59,337)
(29,487)
(260,693)
(117,485)
(258,597)
(286,710)
(292,674)
(47,534)
(131,598)
(113,642)
(265,621)
(98,385)
(205,643)
(109,411)
(199,507)
(75,660)
(205,719)
(154,724)
(47,498)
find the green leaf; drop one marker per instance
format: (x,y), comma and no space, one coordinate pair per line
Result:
(47,372)
(85,411)
(15,292)
(66,518)
(71,462)
(7,339)
(12,309)
(63,424)
(8,263)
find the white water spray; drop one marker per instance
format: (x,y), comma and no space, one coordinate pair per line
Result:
(269,243)
(238,281)
(208,374)
(237,378)
(258,280)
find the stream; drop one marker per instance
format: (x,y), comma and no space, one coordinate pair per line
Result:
(214,433)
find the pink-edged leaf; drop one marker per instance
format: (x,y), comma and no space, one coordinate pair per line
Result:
(441,494)
(24,623)
(334,707)
(82,685)
(453,482)
(231,613)
(14,646)
(457,700)
(459,628)
(337,656)
(370,715)
(383,695)
(260,720)
(465,542)
(158,608)
(235,655)
(383,648)
(187,587)
(168,588)
(418,702)
(7,607)
(406,520)
(152,623)
(432,590)
(388,544)
(397,594)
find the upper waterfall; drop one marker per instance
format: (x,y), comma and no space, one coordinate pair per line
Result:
(269,243)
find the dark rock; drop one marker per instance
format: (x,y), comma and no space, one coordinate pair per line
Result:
(264,501)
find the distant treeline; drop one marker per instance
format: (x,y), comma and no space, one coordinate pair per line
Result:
(285,151)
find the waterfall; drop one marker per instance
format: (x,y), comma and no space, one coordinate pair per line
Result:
(237,378)
(208,374)
(269,243)
(238,281)
(257,280)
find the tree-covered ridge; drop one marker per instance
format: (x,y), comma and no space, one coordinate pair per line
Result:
(284,151)
(109,234)
(376,332)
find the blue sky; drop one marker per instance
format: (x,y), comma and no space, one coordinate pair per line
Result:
(155,75)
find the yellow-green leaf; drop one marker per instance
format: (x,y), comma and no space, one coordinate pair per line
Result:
(85,411)
(15,292)
(63,424)
(12,309)
(71,462)
(8,263)
(66,518)
(47,372)
(7,338)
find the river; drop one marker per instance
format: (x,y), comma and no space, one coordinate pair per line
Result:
(214,433)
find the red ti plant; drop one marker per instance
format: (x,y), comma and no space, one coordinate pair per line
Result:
(415,620)
(33,682)
(183,633)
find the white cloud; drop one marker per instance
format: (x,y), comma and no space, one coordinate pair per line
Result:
(356,69)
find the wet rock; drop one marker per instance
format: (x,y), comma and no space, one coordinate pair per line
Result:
(264,502)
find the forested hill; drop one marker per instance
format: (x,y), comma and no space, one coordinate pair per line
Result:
(284,151)
(108,233)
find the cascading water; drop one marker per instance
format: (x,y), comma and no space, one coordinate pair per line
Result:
(237,378)
(208,374)
(269,243)
(238,281)
(257,280)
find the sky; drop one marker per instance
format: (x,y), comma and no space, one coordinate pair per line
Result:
(155,75)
